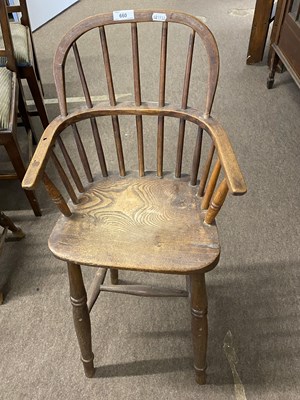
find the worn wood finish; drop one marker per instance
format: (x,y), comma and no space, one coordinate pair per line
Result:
(161,98)
(140,222)
(70,165)
(199,325)
(184,102)
(219,136)
(112,100)
(82,154)
(211,185)
(64,178)
(94,289)
(217,202)
(162,218)
(138,97)
(206,170)
(82,77)
(81,318)
(56,196)
(144,291)
(196,157)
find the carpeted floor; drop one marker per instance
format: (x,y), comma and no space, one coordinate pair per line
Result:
(143,347)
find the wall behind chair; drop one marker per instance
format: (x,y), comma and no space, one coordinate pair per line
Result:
(42,11)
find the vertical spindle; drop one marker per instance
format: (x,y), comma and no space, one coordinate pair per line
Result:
(82,154)
(185,93)
(196,157)
(70,165)
(137,97)
(89,104)
(217,202)
(64,178)
(161,101)
(211,185)
(84,85)
(56,196)
(205,171)
(112,99)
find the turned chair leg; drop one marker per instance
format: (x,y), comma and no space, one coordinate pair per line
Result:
(199,325)
(114,276)
(274,62)
(81,318)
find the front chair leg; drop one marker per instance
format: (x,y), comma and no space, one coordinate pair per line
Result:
(81,318)
(199,325)
(114,276)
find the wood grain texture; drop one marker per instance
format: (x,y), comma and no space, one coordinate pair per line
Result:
(158,220)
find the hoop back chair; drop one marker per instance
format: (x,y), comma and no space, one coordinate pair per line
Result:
(17,37)
(8,118)
(142,220)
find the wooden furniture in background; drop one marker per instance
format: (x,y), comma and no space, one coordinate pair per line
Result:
(286,44)
(8,117)
(263,16)
(140,221)
(10,232)
(18,40)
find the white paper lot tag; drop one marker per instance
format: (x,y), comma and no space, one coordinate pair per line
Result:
(123,15)
(159,17)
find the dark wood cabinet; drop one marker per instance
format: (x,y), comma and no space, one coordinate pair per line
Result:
(286,44)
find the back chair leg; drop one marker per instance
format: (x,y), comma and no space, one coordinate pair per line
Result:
(199,325)
(274,62)
(25,116)
(114,276)
(13,152)
(37,96)
(81,318)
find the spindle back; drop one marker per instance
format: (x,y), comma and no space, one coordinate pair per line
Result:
(123,69)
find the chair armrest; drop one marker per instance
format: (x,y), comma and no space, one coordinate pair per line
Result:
(234,177)
(42,153)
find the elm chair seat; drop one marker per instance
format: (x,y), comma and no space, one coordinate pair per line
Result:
(21,39)
(6,83)
(162,215)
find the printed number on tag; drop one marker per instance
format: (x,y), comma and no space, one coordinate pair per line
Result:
(123,15)
(159,17)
